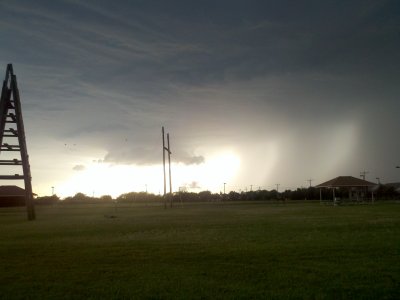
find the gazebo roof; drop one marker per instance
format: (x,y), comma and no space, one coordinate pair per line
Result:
(11,191)
(346,181)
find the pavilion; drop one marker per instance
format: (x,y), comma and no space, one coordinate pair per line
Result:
(356,187)
(11,195)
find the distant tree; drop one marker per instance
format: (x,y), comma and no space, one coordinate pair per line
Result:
(387,192)
(106,198)
(47,200)
(190,197)
(274,194)
(80,197)
(134,196)
(234,196)
(205,196)
(67,199)
(217,197)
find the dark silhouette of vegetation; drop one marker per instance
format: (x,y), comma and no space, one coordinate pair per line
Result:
(387,192)
(383,192)
(137,197)
(81,198)
(106,198)
(47,200)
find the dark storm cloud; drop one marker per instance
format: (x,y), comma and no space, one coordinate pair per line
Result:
(215,73)
(163,45)
(147,156)
(209,42)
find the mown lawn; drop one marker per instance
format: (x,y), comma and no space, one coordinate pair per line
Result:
(208,250)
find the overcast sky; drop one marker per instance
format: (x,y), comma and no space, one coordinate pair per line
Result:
(291,89)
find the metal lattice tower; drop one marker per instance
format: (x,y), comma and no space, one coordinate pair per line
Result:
(12,136)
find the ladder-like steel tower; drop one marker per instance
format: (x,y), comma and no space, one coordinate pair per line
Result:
(12,136)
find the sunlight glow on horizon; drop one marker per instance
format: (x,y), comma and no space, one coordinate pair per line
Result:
(99,179)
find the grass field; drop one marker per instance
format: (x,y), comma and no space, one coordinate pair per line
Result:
(203,250)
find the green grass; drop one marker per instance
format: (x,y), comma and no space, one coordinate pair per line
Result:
(213,251)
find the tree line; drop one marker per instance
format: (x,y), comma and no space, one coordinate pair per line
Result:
(382,193)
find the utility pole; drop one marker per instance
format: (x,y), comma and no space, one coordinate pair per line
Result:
(169,166)
(363,173)
(165,181)
(224,187)
(310,180)
(277,187)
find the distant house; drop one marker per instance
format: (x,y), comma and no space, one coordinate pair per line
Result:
(11,195)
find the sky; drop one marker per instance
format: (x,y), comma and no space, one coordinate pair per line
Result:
(252,93)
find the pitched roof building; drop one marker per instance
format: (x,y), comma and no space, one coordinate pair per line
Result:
(11,195)
(346,181)
(357,188)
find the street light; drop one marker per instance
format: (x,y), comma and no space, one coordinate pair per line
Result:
(224,187)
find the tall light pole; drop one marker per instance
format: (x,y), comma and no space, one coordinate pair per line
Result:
(224,187)
(277,187)
(52,190)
